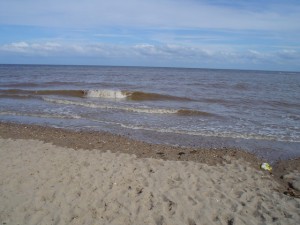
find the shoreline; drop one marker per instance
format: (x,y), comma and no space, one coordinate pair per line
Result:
(118,143)
(104,141)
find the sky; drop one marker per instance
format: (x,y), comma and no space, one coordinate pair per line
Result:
(222,34)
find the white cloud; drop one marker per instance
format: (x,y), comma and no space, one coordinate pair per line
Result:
(290,54)
(16,47)
(33,48)
(182,55)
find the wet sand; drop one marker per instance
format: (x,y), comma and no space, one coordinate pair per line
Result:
(56,176)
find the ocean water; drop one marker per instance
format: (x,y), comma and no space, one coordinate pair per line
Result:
(258,111)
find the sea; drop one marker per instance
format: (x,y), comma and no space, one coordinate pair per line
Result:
(258,111)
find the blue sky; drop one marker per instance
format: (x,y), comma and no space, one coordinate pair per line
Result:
(258,34)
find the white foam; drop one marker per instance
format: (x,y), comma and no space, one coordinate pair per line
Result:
(211,133)
(106,106)
(114,94)
(168,130)
(9,113)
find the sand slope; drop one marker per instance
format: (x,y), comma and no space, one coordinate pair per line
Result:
(44,184)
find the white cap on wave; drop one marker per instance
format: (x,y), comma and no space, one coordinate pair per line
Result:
(116,94)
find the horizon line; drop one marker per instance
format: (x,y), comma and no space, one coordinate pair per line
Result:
(166,67)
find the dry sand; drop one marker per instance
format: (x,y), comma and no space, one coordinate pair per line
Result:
(45,184)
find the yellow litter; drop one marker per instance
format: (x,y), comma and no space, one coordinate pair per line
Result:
(266,166)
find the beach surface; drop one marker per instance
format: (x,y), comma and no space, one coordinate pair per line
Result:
(55,176)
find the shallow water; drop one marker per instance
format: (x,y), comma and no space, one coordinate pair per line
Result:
(255,110)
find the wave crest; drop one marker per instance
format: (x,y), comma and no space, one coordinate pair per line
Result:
(143,96)
(101,93)
(132,95)
(105,94)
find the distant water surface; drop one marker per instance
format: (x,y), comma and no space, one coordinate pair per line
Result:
(255,110)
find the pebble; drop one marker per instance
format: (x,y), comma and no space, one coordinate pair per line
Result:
(296,184)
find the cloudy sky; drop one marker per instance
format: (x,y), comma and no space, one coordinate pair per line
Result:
(256,34)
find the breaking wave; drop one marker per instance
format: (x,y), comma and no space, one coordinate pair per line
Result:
(104,93)
(132,95)
(114,94)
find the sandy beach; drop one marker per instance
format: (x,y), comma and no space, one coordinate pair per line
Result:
(55,176)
